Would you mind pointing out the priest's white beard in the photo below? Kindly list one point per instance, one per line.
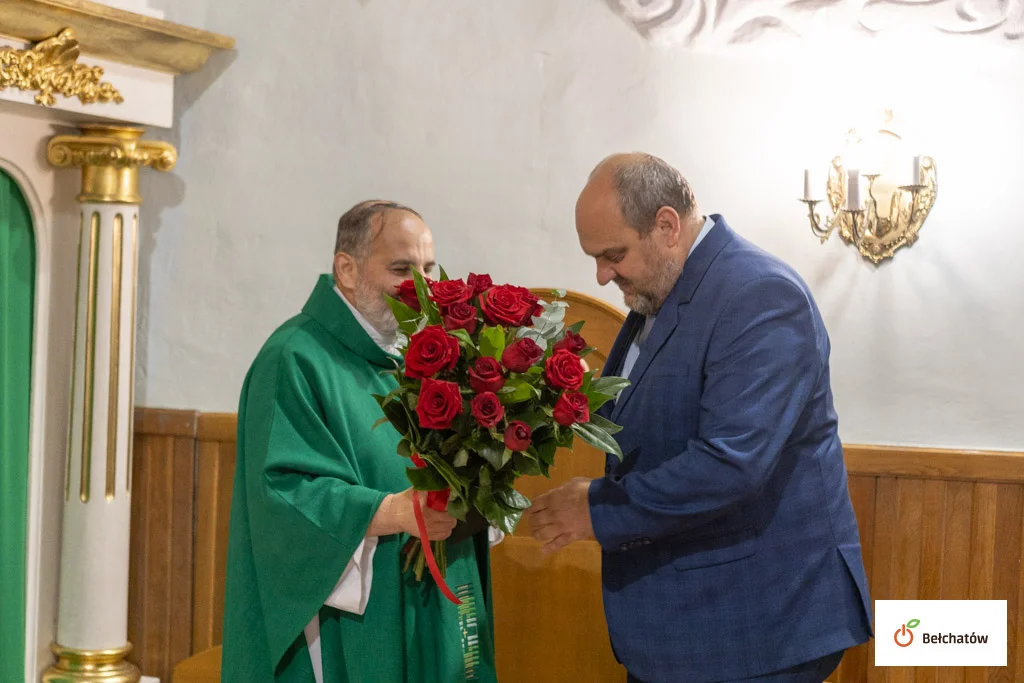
(371, 303)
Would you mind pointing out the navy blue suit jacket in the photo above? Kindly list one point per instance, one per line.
(730, 546)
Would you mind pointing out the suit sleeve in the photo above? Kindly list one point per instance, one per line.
(309, 512)
(763, 362)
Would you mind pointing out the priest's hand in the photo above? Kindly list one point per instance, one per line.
(395, 515)
(562, 515)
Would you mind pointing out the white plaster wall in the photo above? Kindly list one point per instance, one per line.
(487, 116)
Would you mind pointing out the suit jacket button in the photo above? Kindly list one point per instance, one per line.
(647, 541)
(623, 546)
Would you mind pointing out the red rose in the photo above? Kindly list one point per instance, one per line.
(479, 283)
(407, 295)
(460, 316)
(487, 409)
(486, 375)
(564, 370)
(570, 408)
(517, 436)
(571, 342)
(450, 292)
(507, 305)
(519, 356)
(418, 461)
(431, 350)
(438, 404)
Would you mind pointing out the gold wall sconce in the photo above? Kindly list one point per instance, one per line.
(857, 217)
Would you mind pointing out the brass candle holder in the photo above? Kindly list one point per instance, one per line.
(876, 237)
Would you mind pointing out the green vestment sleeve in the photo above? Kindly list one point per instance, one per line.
(300, 480)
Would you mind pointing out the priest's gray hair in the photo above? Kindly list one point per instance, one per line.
(355, 227)
(645, 184)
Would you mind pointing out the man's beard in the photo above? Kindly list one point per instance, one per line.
(374, 307)
(647, 298)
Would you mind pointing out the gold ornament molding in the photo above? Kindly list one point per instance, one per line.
(52, 67)
(86, 666)
(113, 34)
(110, 158)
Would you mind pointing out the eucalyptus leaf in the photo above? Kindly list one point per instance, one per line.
(461, 458)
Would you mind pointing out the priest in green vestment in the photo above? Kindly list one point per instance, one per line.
(321, 505)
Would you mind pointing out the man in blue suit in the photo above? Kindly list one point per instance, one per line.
(730, 549)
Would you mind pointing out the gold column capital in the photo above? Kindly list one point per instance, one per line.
(110, 158)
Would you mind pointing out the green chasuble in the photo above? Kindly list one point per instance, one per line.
(311, 472)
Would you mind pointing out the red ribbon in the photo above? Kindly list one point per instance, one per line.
(428, 552)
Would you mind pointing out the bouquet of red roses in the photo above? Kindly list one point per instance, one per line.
(493, 384)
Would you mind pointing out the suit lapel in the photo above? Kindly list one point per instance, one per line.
(696, 267)
(613, 365)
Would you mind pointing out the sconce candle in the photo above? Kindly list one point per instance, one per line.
(853, 190)
(876, 236)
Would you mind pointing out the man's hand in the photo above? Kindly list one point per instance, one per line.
(562, 515)
(396, 515)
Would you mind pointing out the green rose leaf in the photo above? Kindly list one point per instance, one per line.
(425, 479)
(525, 464)
(408, 319)
(609, 385)
(607, 425)
(597, 437)
(513, 499)
(493, 453)
(492, 342)
(423, 296)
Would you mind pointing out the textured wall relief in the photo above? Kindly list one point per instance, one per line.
(728, 22)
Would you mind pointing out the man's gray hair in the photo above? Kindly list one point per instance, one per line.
(355, 227)
(645, 184)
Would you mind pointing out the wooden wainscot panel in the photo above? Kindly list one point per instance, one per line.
(215, 476)
(939, 524)
(160, 568)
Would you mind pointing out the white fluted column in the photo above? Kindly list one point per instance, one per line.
(92, 626)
